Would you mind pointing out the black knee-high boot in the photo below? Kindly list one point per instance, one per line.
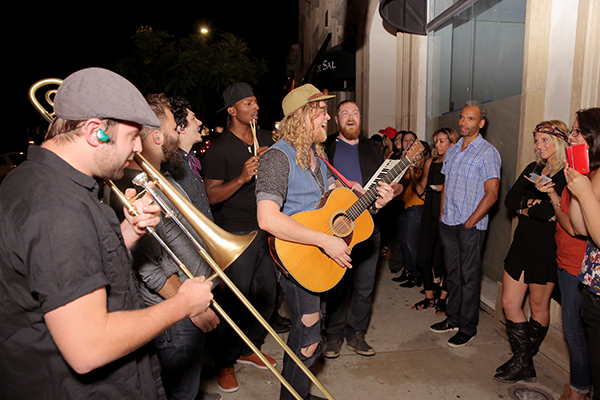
(537, 333)
(520, 366)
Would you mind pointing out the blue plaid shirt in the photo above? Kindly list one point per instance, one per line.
(465, 172)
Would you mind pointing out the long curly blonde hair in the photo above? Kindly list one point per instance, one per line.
(294, 130)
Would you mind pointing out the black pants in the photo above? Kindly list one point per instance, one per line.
(462, 256)
(253, 273)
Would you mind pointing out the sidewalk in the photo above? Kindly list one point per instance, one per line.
(411, 362)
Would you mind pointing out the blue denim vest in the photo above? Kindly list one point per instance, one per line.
(303, 191)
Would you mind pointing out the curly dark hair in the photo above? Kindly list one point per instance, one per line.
(589, 123)
(179, 108)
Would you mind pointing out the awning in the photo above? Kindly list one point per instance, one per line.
(408, 16)
(333, 69)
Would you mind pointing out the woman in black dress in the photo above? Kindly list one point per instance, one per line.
(430, 258)
(530, 264)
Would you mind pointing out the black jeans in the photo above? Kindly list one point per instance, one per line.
(462, 257)
(253, 273)
(349, 302)
(300, 302)
(590, 311)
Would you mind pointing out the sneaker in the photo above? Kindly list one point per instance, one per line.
(442, 327)
(226, 380)
(359, 345)
(412, 282)
(255, 361)
(403, 277)
(209, 396)
(459, 340)
(332, 348)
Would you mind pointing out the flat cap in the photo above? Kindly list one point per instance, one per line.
(100, 93)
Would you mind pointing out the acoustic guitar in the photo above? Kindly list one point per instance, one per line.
(340, 213)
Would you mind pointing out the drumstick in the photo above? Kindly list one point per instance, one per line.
(253, 126)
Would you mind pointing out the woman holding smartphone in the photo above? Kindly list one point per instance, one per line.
(570, 252)
(530, 264)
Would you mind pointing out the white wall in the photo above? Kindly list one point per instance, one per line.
(382, 77)
(561, 55)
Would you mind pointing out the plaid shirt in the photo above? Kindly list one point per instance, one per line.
(465, 172)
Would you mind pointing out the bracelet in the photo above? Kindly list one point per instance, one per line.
(556, 206)
(520, 211)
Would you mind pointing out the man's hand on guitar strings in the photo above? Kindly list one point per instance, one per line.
(338, 250)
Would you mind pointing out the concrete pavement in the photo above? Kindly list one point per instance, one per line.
(411, 362)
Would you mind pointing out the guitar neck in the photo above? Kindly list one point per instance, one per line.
(371, 195)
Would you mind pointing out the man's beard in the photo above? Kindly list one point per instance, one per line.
(173, 159)
(350, 133)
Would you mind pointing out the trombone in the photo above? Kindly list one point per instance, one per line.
(224, 247)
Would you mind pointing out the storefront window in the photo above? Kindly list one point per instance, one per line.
(476, 54)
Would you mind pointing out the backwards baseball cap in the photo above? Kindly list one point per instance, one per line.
(234, 93)
(300, 96)
(389, 132)
(100, 93)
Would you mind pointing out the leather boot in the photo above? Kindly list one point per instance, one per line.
(537, 333)
(520, 366)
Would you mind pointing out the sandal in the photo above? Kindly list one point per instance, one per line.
(423, 304)
(440, 307)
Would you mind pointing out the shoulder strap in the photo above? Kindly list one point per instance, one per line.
(341, 177)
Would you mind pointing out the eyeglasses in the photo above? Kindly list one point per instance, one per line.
(574, 132)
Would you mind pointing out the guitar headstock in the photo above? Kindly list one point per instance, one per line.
(415, 151)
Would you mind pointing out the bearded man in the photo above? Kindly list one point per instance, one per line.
(292, 178)
(349, 302)
(179, 348)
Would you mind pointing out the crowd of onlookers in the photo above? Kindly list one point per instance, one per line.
(554, 243)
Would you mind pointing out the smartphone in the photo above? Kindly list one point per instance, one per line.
(577, 157)
(534, 177)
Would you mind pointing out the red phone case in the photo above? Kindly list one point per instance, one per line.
(577, 157)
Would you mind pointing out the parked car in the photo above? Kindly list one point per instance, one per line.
(9, 161)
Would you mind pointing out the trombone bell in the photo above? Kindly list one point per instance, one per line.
(223, 246)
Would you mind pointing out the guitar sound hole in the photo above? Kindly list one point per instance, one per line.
(341, 225)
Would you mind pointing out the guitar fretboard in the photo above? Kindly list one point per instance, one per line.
(384, 174)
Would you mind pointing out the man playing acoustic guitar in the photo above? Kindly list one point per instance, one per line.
(292, 178)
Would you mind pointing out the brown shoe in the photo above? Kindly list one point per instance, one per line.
(255, 361)
(227, 380)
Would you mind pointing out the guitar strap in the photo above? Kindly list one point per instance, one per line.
(341, 177)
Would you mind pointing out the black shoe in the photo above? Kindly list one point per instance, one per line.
(459, 340)
(359, 345)
(332, 348)
(404, 276)
(412, 282)
(442, 327)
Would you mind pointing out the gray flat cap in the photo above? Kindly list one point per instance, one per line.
(100, 93)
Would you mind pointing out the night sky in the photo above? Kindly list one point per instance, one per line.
(54, 42)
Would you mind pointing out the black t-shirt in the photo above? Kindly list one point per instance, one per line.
(224, 160)
(57, 244)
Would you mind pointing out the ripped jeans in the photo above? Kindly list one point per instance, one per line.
(301, 303)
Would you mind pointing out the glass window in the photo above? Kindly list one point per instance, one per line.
(477, 54)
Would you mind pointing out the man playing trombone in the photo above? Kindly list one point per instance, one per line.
(179, 347)
(73, 324)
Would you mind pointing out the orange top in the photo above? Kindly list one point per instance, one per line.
(569, 250)
(409, 196)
